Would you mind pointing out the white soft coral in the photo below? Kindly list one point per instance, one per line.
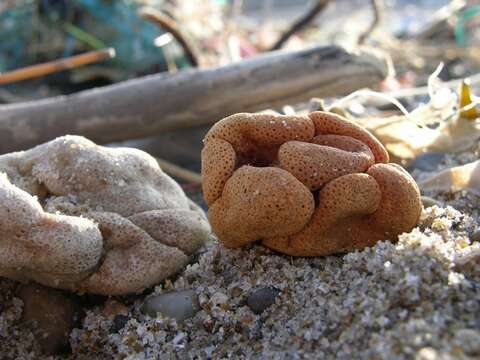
(88, 218)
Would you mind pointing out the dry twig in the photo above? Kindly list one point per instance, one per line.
(168, 24)
(300, 23)
(50, 67)
(377, 7)
(179, 172)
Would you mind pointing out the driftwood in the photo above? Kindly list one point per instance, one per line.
(157, 103)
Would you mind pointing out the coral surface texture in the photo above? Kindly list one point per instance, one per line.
(88, 218)
(304, 185)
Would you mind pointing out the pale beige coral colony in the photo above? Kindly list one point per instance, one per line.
(304, 185)
(79, 216)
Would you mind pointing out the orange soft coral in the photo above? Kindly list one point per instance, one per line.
(304, 185)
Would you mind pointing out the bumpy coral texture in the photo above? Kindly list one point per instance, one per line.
(79, 216)
(304, 185)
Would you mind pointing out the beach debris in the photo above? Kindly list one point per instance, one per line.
(166, 23)
(464, 177)
(179, 305)
(40, 70)
(262, 298)
(445, 124)
(179, 172)
(79, 216)
(263, 173)
(405, 138)
(300, 23)
(466, 102)
(52, 314)
(378, 15)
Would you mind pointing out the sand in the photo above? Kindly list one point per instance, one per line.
(418, 298)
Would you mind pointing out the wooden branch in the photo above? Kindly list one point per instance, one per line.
(377, 8)
(155, 16)
(50, 67)
(301, 22)
(157, 103)
(179, 172)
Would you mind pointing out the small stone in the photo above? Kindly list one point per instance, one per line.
(469, 341)
(218, 299)
(114, 308)
(428, 161)
(475, 236)
(316, 104)
(179, 305)
(52, 314)
(119, 322)
(427, 353)
(262, 298)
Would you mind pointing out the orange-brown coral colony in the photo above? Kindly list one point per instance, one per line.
(304, 185)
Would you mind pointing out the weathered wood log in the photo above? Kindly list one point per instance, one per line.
(157, 103)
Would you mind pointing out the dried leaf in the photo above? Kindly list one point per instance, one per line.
(405, 139)
(465, 177)
(466, 100)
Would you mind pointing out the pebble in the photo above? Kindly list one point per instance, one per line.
(316, 104)
(113, 308)
(475, 236)
(179, 305)
(428, 161)
(52, 314)
(218, 299)
(119, 322)
(427, 353)
(468, 340)
(262, 298)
